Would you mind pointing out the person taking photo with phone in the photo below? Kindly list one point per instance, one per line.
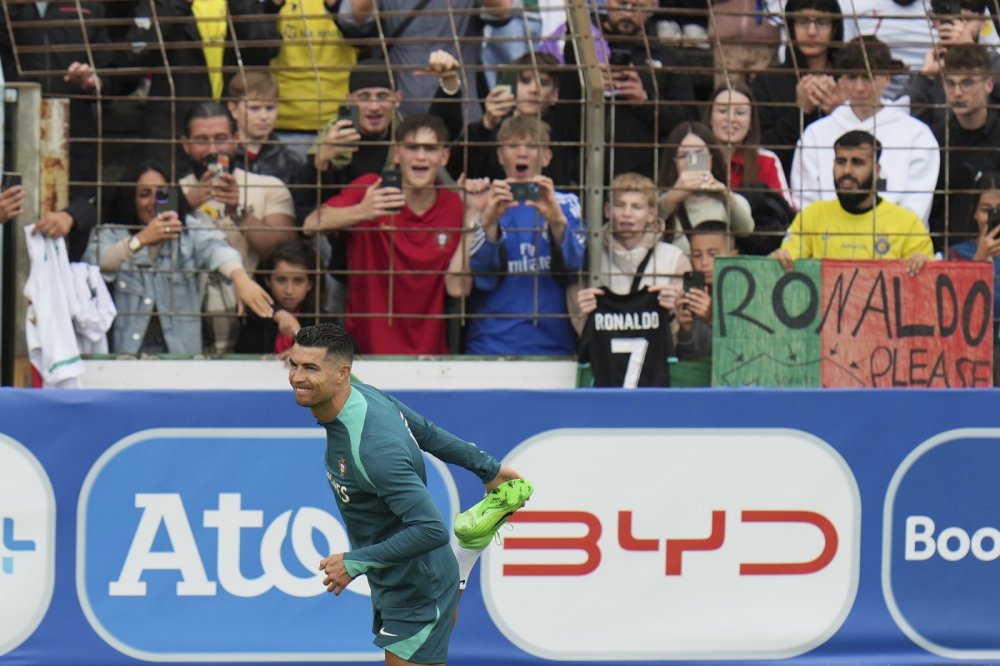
(255, 212)
(711, 239)
(403, 245)
(633, 306)
(985, 246)
(156, 262)
(696, 189)
(528, 244)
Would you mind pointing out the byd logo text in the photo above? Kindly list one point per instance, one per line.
(673, 547)
(717, 541)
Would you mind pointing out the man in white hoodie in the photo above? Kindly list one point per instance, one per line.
(910, 159)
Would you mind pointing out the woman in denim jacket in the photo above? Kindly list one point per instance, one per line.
(155, 273)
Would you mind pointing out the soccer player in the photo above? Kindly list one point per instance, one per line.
(376, 470)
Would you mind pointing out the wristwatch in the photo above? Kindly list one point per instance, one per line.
(134, 244)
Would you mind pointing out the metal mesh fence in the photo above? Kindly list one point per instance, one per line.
(614, 81)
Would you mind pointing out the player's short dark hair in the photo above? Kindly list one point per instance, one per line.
(858, 139)
(334, 337)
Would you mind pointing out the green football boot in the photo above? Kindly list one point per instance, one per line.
(475, 528)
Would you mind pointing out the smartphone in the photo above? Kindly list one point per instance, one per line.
(165, 200)
(993, 219)
(524, 191)
(11, 180)
(694, 280)
(218, 163)
(949, 10)
(392, 178)
(620, 58)
(697, 161)
(349, 112)
(507, 78)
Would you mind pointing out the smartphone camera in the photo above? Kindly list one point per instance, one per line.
(217, 163)
(620, 58)
(392, 178)
(349, 112)
(993, 219)
(524, 191)
(697, 161)
(694, 280)
(11, 180)
(165, 200)
(949, 9)
(507, 78)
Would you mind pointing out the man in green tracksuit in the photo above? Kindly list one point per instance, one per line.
(376, 469)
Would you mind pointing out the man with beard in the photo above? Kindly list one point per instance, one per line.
(254, 211)
(911, 160)
(858, 224)
(646, 92)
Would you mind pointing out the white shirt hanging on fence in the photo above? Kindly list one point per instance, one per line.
(97, 309)
(52, 304)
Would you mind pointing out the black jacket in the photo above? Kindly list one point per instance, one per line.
(42, 59)
(274, 159)
(781, 121)
(183, 76)
(474, 148)
(968, 152)
(634, 132)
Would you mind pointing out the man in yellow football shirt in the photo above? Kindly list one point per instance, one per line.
(858, 224)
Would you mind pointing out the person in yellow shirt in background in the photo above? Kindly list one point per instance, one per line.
(858, 224)
(311, 70)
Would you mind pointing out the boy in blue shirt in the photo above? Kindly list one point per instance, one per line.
(527, 246)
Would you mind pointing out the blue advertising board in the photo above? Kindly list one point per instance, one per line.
(746, 525)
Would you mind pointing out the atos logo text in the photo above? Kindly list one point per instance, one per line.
(674, 547)
(951, 543)
(12, 545)
(231, 523)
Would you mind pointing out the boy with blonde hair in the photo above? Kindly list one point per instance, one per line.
(528, 244)
(253, 101)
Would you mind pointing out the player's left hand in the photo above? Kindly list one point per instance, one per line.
(337, 577)
(505, 474)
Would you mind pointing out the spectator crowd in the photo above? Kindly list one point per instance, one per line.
(376, 162)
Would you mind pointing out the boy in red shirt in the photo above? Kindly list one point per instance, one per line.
(403, 246)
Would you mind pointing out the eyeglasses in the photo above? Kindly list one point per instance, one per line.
(965, 85)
